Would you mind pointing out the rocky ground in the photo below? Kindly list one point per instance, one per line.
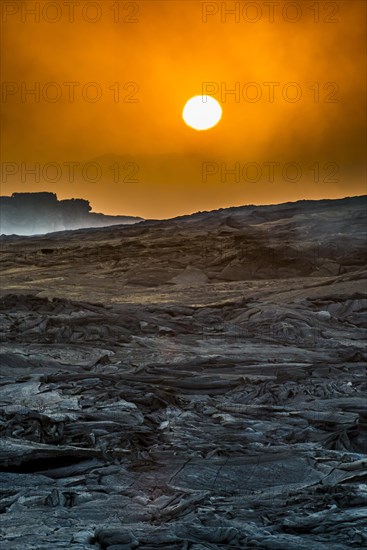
(191, 383)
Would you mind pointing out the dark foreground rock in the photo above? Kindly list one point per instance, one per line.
(195, 413)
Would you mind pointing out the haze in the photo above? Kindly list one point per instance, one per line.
(159, 62)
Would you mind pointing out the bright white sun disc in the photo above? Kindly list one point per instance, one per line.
(202, 112)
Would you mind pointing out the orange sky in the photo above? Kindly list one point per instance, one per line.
(158, 163)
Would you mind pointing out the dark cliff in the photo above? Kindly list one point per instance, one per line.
(38, 213)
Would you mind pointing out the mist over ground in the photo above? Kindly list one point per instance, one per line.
(38, 213)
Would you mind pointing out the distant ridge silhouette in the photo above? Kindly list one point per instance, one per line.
(39, 213)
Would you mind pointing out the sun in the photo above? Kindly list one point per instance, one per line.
(202, 112)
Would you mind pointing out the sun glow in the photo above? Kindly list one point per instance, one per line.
(202, 112)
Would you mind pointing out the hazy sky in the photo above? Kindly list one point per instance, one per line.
(112, 78)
